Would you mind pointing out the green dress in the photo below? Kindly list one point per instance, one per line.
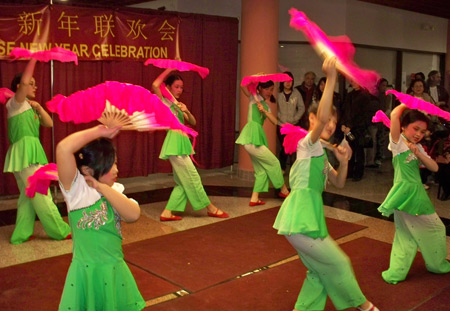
(98, 277)
(302, 211)
(407, 194)
(175, 142)
(25, 147)
(253, 132)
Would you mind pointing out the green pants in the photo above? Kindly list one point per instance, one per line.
(426, 232)
(42, 205)
(329, 273)
(266, 167)
(188, 186)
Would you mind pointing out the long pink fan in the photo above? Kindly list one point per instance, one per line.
(417, 103)
(380, 116)
(117, 104)
(40, 181)
(341, 47)
(5, 94)
(56, 53)
(252, 81)
(293, 135)
(177, 64)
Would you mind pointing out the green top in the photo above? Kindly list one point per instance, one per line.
(25, 147)
(407, 193)
(175, 142)
(302, 211)
(253, 132)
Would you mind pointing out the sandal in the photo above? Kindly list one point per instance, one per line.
(223, 215)
(171, 218)
(371, 308)
(259, 202)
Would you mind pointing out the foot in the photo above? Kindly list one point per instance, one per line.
(68, 237)
(259, 202)
(171, 218)
(218, 213)
(283, 195)
(371, 307)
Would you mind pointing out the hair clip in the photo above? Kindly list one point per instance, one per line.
(80, 155)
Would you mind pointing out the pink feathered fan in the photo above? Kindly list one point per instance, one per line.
(55, 53)
(40, 181)
(341, 47)
(5, 94)
(380, 116)
(117, 104)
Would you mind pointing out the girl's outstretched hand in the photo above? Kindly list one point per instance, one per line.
(341, 153)
(329, 67)
(108, 132)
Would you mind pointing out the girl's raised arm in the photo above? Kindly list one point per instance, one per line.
(65, 158)
(326, 102)
(395, 129)
(159, 80)
(22, 90)
(244, 89)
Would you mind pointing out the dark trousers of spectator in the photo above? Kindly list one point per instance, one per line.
(357, 161)
(443, 178)
(282, 156)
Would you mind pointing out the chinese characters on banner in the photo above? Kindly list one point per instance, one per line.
(93, 34)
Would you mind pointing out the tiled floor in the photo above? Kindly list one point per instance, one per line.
(356, 202)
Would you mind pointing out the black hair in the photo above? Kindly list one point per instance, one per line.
(381, 80)
(281, 87)
(412, 115)
(411, 85)
(99, 155)
(317, 91)
(314, 107)
(421, 74)
(266, 85)
(16, 80)
(432, 73)
(172, 78)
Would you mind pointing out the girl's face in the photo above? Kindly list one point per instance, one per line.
(31, 88)
(418, 88)
(176, 88)
(382, 87)
(415, 131)
(267, 92)
(111, 177)
(287, 85)
(329, 128)
(322, 86)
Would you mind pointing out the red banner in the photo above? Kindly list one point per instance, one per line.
(93, 34)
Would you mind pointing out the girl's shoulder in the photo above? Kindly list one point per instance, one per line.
(80, 195)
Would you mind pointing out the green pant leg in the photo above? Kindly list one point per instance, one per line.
(178, 198)
(190, 180)
(49, 215)
(404, 249)
(331, 269)
(25, 215)
(261, 178)
(266, 166)
(429, 233)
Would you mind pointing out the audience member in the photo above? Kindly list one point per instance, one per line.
(307, 90)
(436, 91)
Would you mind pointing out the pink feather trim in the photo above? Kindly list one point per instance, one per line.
(5, 94)
(40, 181)
(341, 47)
(380, 116)
(252, 81)
(177, 64)
(293, 135)
(131, 98)
(419, 104)
(56, 53)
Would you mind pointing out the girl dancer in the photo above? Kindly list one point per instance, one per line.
(417, 224)
(25, 155)
(301, 219)
(177, 148)
(254, 140)
(98, 277)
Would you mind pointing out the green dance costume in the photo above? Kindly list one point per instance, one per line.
(254, 140)
(177, 148)
(301, 219)
(25, 155)
(416, 223)
(98, 277)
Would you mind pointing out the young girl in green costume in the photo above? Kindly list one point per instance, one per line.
(178, 148)
(416, 223)
(301, 218)
(254, 140)
(25, 155)
(98, 277)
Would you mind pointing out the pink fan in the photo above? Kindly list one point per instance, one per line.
(293, 135)
(5, 94)
(40, 181)
(55, 53)
(177, 64)
(252, 81)
(417, 103)
(117, 104)
(380, 116)
(340, 47)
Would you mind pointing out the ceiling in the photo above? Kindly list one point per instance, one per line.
(440, 8)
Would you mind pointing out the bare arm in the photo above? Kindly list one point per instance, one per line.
(395, 122)
(326, 102)
(268, 114)
(22, 90)
(244, 89)
(428, 162)
(44, 117)
(188, 116)
(338, 177)
(159, 80)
